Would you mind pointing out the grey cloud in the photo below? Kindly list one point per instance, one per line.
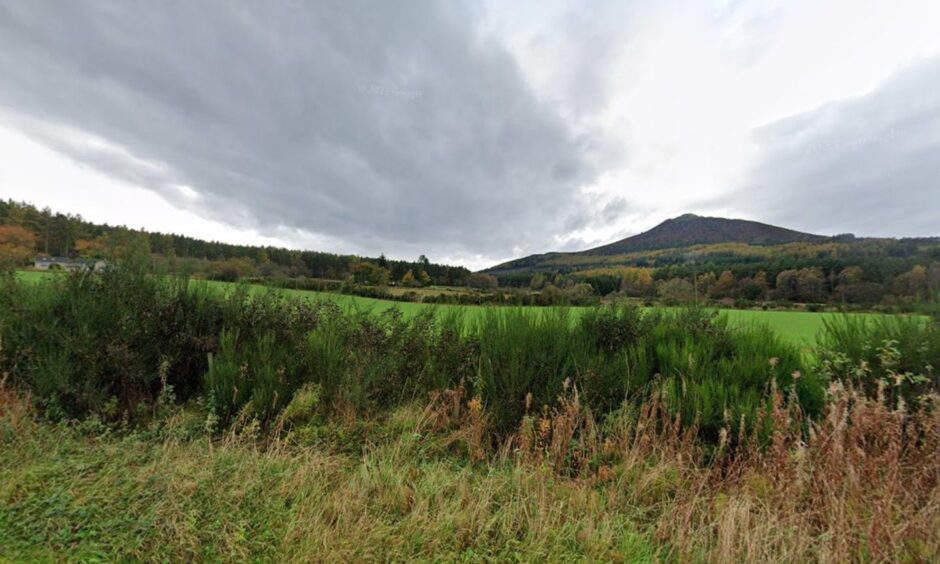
(395, 127)
(614, 210)
(592, 212)
(580, 51)
(868, 165)
(581, 45)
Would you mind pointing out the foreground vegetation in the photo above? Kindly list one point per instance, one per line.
(152, 419)
(863, 487)
(797, 327)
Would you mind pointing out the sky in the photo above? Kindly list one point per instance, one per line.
(472, 132)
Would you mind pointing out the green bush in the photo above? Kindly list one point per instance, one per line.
(524, 352)
(96, 344)
(722, 376)
(707, 372)
(899, 353)
(82, 340)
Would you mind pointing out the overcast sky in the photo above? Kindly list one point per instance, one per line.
(472, 132)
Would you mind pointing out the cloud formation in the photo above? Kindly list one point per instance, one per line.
(395, 128)
(475, 131)
(868, 165)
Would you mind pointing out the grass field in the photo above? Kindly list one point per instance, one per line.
(799, 327)
(143, 420)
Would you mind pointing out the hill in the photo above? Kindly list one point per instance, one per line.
(690, 229)
(685, 231)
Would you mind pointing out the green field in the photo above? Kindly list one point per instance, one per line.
(798, 327)
(146, 420)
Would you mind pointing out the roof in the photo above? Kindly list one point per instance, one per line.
(65, 260)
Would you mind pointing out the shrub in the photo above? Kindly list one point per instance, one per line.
(523, 353)
(87, 341)
(899, 353)
(81, 340)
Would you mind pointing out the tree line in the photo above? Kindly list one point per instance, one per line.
(27, 231)
(920, 282)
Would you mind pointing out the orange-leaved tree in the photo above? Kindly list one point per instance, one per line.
(17, 245)
(92, 248)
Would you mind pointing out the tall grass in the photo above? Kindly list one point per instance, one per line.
(862, 485)
(666, 435)
(898, 355)
(96, 344)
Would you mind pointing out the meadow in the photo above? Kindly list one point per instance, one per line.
(147, 418)
(798, 327)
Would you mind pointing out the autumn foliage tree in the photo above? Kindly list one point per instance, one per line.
(675, 291)
(637, 282)
(706, 282)
(538, 281)
(725, 286)
(92, 248)
(424, 278)
(370, 273)
(913, 283)
(17, 246)
(482, 281)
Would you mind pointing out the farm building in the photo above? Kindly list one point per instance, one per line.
(65, 263)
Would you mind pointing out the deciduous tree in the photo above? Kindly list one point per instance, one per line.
(369, 273)
(725, 286)
(483, 281)
(675, 291)
(637, 282)
(17, 245)
(913, 283)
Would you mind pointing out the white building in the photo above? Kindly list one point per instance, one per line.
(69, 264)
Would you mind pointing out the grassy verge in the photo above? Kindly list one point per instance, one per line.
(82, 492)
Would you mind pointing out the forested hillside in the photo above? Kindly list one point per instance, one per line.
(26, 231)
(690, 229)
(731, 259)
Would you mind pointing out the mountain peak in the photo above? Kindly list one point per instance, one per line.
(690, 229)
(679, 232)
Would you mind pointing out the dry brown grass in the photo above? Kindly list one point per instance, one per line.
(860, 484)
(14, 407)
